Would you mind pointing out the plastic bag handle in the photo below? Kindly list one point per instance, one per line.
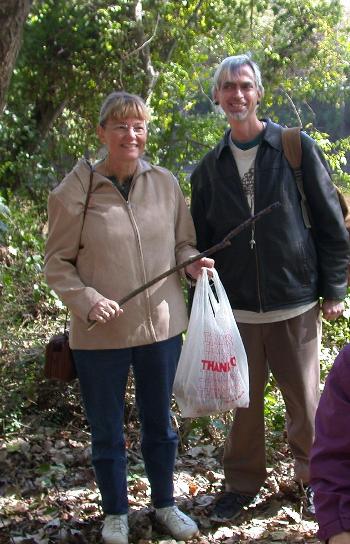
(220, 291)
(209, 302)
(216, 303)
(208, 292)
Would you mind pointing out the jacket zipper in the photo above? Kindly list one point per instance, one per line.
(244, 197)
(258, 279)
(252, 242)
(136, 230)
(252, 239)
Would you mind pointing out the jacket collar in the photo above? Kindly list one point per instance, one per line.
(142, 167)
(272, 135)
(83, 169)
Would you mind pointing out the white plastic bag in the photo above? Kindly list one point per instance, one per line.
(212, 374)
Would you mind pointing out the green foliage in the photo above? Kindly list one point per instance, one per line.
(30, 313)
(75, 52)
(335, 334)
(274, 409)
(336, 153)
(26, 303)
(22, 278)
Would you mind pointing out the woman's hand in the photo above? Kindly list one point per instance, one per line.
(104, 310)
(195, 269)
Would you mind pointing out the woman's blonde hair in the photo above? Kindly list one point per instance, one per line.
(121, 105)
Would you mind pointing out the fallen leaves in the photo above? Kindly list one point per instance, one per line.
(48, 494)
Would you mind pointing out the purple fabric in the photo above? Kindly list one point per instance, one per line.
(330, 456)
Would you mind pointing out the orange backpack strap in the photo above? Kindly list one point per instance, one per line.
(291, 144)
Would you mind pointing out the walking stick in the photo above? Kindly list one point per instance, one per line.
(213, 249)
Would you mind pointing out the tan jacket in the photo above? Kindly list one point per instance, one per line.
(123, 245)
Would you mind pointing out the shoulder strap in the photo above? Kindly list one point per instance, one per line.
(87, 195)
(65, 329)
(87, 200)
(344, 201)
(291, 144)
(82, 226)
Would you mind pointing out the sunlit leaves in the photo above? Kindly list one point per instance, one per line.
(77, 51)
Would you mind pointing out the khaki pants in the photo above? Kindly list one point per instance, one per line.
(290, 350)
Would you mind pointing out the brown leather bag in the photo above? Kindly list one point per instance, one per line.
(59, 362)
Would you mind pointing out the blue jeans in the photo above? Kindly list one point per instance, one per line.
(103, 377)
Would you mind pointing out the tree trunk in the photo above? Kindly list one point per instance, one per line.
(13, 14)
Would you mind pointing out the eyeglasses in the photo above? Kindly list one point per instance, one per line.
(124, 128)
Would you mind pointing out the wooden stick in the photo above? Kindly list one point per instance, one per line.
(213, 249)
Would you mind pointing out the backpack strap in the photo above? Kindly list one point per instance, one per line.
(344, 201)
(86, 204)
(291, 144)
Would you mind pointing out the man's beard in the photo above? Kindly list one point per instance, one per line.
(239, 115)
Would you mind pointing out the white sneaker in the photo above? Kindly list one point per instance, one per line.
(176, 522)
(115, 529)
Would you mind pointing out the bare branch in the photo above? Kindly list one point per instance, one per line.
(200, 144)
(147, 42)
(310, 109)
(144, 50)
(195, 11)
(210, 251)
(172, 47)
(300, 124)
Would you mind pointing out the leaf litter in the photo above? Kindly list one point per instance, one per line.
(49, 495)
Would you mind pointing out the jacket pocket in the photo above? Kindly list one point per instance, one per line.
(307, 259)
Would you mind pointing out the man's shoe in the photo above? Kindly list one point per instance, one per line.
(115, 529)
(229, 506)
(309, 507)
(176, 522)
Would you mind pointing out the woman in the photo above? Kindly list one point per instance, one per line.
(136, 226)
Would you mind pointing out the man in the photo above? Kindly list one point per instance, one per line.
(274, 274)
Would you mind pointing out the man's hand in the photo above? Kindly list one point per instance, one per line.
(195, 269)
(341, 538)
(104, 310)
(332, 309)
